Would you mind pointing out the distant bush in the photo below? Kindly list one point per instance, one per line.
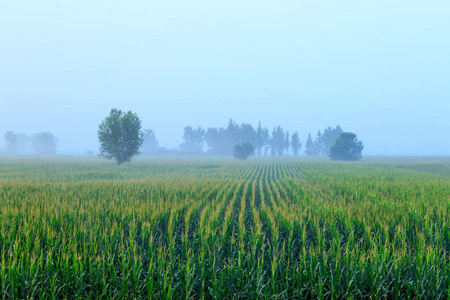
(243, 151)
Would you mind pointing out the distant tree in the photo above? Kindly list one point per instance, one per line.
(44, 143)
(287, 142)
(329, 137)
(150, 144)
(193, 140)
(273, 147)
(215, 140)
(347, 147)
(266, 140)
(16, 143)
(310, 149)
(318, 144)
(278, 141)
(296, 145)
(89, 152)
(120, 136)
(23, 143)
(11, 142)
(259, 142)
(222, 140)
(247, 133)
(243, 151)
(231, 135)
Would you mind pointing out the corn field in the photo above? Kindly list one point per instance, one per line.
(219, 229)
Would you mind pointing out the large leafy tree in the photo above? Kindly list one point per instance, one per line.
(120, 136)
(347, 147)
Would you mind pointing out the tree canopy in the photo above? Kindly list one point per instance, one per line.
(347, 148)
(120, 136)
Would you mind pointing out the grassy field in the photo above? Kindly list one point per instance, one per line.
(82, 228)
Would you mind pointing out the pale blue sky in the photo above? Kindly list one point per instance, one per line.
(379, 68)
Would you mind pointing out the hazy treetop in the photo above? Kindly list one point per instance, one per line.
(378, 68)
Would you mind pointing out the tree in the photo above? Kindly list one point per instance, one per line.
(310, 147)
(214, 140)
(193, 140)
(222, 140)
(266, 140)
(347, 147)
(23, 143)
(278, 141)
(296, 145)
(287, 143)
(259, 143)
(318, 144)
(44, 143)
(11, 142)
(150, 144)
(329, 137)
(243, 151)
(247, 133)
(120, 136)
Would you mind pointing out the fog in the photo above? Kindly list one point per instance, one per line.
(380, 69)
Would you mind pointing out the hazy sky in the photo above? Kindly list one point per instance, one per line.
(379, 68)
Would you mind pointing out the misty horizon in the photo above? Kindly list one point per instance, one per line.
(63, 149)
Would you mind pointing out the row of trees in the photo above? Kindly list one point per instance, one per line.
(121, 138)
(38, 143)
(223, 139)
(275, 142)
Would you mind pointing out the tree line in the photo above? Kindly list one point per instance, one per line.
(38, 143)
(222, 140)
(218, 140)
(274, 142)
(122, 138)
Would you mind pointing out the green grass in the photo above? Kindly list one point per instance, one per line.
(83, 228)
